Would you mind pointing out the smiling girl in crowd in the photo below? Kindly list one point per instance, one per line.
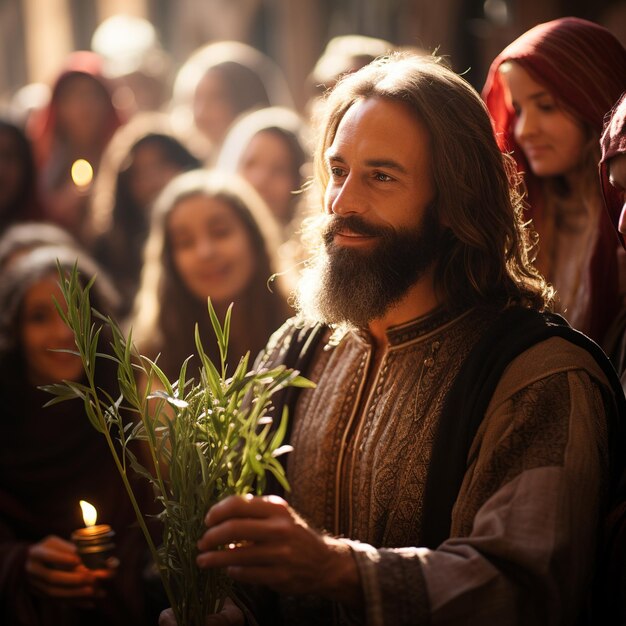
(211, 236)
(548, 93)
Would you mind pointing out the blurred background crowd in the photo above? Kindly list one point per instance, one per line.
(35, 37)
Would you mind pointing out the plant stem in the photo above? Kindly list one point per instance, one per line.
(131, 495)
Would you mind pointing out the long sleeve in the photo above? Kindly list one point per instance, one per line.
(525, 523)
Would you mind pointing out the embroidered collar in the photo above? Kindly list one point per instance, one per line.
(409, 331)
(423, 325)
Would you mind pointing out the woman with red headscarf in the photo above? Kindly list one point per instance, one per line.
(69, 137)
(548, 93)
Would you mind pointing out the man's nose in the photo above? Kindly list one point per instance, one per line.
(347, 197)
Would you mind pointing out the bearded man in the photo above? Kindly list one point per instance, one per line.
(434, 319)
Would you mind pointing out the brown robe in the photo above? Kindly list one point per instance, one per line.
(524, 525)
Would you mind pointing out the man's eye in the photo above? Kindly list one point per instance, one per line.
(382, 177)
(336, 171)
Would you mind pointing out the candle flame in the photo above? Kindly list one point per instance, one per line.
(90, 515)
(82, 173)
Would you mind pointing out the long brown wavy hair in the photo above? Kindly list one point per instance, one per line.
(166, 311)
(487, 250)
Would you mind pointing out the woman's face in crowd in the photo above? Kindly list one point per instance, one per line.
(82, 109)
(213, 110)
(552, 140)
(211, 249)
(266, 164)
(41, 331)
(149, 172)
(12, 171)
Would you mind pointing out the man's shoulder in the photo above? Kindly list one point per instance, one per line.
(546, 358)
(529, 346)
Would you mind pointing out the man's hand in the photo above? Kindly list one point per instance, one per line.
(262, 540)
(230, 615)
(54, 569)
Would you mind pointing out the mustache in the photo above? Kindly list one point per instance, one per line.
(354, 223)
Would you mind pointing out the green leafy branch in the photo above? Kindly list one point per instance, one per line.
(205, 439)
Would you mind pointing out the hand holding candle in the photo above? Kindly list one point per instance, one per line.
(54, 569)
(94, 543)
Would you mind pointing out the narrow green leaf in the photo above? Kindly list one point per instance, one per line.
(281, 431)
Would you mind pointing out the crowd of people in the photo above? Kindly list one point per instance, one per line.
(459, 259)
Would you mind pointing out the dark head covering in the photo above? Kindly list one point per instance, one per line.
(613, 143)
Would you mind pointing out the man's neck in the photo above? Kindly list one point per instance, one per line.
(419, 300)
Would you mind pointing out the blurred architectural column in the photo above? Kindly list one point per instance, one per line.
(48, 37)
(430, 25)
(108, 8)
(12, 62)
(193, 23)
(298, 42)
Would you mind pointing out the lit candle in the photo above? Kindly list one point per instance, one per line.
(94, 542)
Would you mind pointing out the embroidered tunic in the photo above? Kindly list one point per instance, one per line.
(524, 524)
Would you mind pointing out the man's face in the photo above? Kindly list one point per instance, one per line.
(379, 235)
(379, 167)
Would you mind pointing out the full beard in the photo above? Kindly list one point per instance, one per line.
(347, 286)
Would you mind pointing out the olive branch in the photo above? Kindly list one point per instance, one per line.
(205, 439)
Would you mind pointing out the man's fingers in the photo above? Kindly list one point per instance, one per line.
(245, 506)
(244, 556)
(245, 529)
(230, 615)
(226, 618)
(166, 618)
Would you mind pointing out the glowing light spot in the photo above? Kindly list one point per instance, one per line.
(82, 173)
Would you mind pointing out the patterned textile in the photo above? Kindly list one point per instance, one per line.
(363, 440)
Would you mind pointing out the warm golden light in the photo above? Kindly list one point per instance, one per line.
(90, 515)
(82, 173)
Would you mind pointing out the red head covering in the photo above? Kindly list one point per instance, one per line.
(613, 142)
(584, 66)
(43, 123)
